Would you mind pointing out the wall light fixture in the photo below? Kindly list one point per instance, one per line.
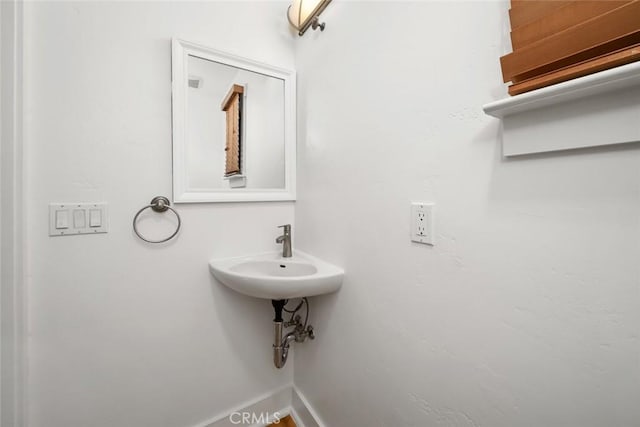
(303, 14)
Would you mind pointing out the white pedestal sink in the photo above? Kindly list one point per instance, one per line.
(273, 277)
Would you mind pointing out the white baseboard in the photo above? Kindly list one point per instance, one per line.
(281, 402)
(269, 403)
(302, 411)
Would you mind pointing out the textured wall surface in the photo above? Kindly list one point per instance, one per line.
(123, 333)
(527, 311)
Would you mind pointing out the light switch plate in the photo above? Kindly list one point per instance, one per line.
(422, 228)
(70, 219)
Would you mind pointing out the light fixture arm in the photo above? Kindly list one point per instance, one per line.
(315, 24)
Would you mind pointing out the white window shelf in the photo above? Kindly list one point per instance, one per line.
(598, 109)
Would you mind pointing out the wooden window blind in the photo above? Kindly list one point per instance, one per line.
(232, 106)
(554, 41)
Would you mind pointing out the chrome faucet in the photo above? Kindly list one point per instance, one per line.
(285, 239)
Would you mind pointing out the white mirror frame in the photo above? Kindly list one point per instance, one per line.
(179, 74)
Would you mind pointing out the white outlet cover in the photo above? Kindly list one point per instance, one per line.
(422, 223)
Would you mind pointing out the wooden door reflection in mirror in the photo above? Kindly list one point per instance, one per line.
(232, 105)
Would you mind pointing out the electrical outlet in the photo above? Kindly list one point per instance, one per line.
(422, 230)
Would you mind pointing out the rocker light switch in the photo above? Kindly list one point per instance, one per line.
(62, 219)
(95, 218)
(79, 218)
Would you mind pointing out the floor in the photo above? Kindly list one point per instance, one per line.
(285, 422)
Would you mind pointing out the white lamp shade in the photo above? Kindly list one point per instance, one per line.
(301, 11)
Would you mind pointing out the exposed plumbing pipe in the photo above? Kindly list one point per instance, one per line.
(300, 333)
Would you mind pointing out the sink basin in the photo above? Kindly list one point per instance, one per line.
(273, 277)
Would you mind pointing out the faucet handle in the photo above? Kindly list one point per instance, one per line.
(287, 228)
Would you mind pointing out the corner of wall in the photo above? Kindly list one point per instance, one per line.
(11, 214)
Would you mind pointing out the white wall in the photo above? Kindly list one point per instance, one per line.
(123, 333)
(11, 219)
(527, 311)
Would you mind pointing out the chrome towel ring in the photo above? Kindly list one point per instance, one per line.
(158, 204)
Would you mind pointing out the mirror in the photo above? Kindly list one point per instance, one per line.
(233, 127)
